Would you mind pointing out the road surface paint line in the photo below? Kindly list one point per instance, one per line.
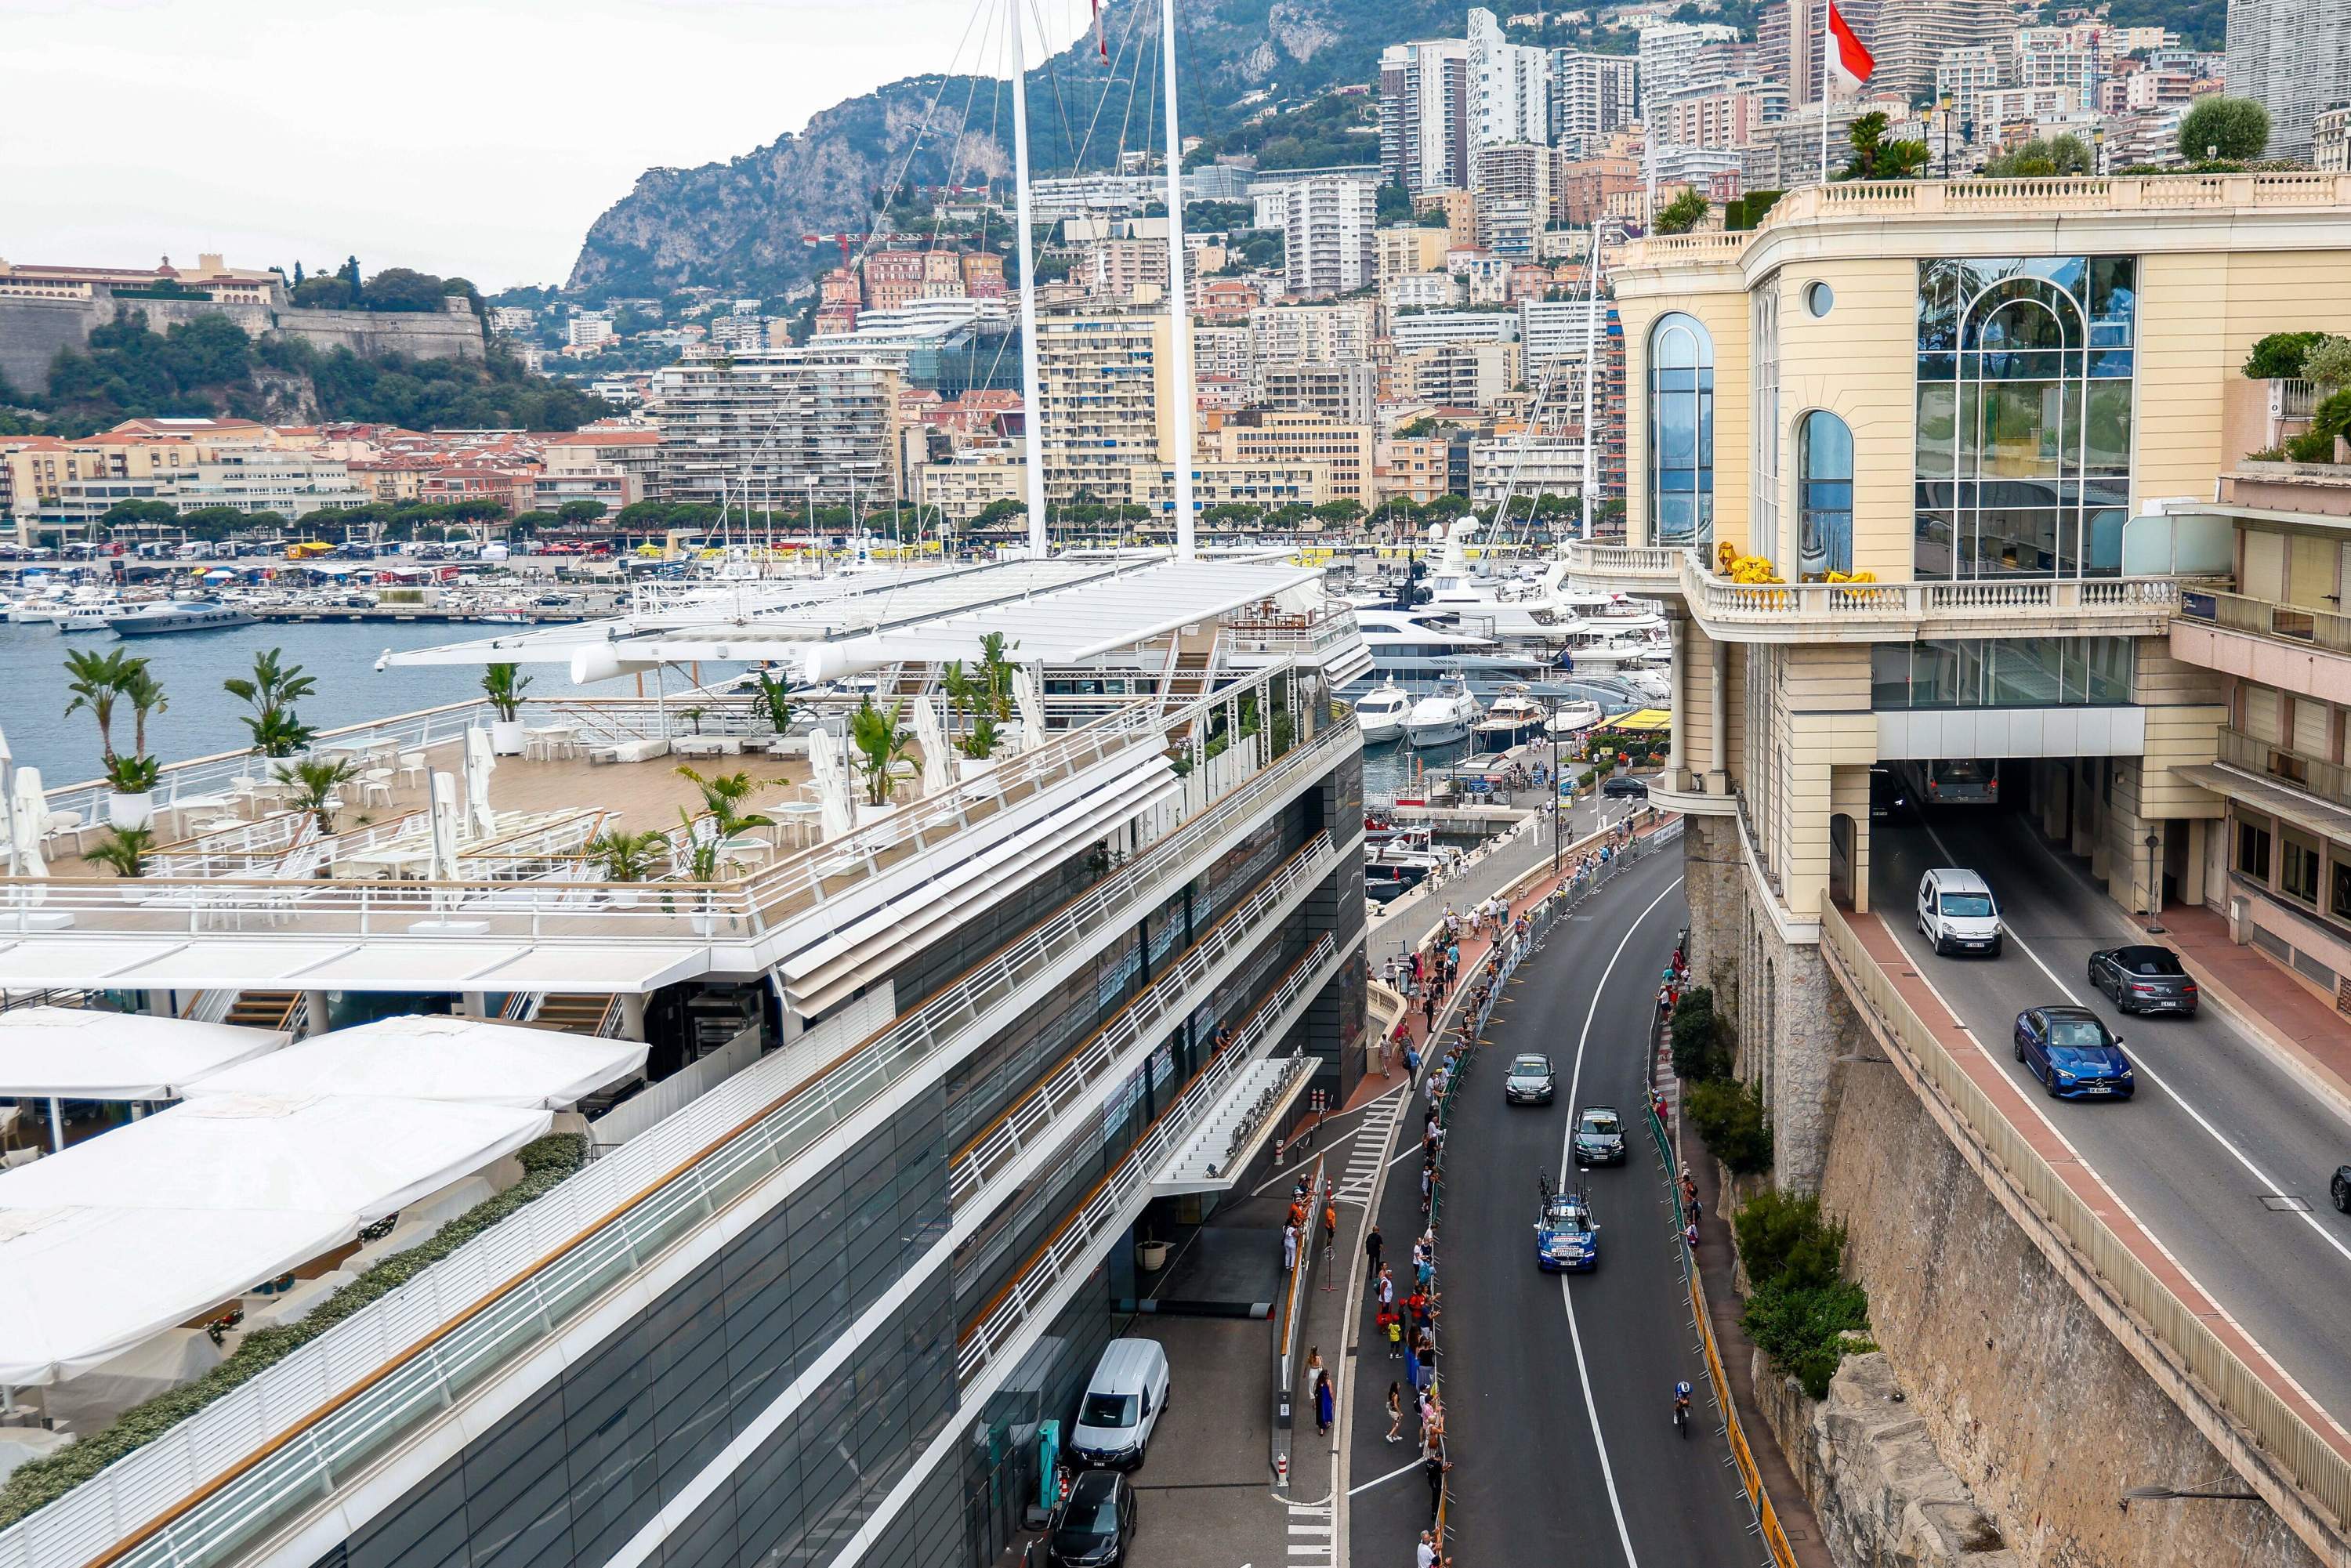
(2267, 1184)
(1392, 1475)
(1567, 1298)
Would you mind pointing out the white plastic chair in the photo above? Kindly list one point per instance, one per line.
(412, 762)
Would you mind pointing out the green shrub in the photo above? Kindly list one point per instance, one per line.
(1729, 1116)
(1702, 1037)
(2278, 357)
(2328, 362)
(1783, 1238)
(2329, 420)
(1801, 1327)
(41, 1482)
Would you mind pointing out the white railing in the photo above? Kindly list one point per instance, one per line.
(1140, 1021)
(1718, 599)
(1296, 634)
(194, 1497)
(1107, 1208)
(1659, 561)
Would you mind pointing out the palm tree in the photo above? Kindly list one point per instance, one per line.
(125, 849)
(776, 698)
(628, 857)
(880, 743)
(272, 691)
(314, 782)
(145, 694)
(696, 858)
(504, 685)
(97, 680)
(723, 795)
(981, 743)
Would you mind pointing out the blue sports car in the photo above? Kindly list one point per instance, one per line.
(2069, 1050)
(1566, 1240)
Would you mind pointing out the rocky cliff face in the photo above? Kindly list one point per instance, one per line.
(740, 224)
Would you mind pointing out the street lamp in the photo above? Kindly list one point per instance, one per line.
(2154, 882)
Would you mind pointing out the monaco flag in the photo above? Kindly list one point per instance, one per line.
(1848, 56)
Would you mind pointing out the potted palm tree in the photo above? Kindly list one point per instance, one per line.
(978, 747)
(880, 745)
(695, 859)
(504, 685)
(776, 703)
(315, 785)
(627, 857)
(271, 691)
(723, 795)
(125, 851)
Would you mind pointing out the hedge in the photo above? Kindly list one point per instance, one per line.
(41, 1482)
(1804, 1315)
(1729, 1114)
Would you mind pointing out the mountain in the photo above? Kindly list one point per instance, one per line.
(740, 224)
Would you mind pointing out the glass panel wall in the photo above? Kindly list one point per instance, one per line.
(2024, 407)
(1681, 432)
(2005, 672)
(1824, 471)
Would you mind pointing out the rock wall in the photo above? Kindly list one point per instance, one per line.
(33, 331)
(2041, 1416)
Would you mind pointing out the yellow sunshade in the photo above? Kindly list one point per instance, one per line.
(1648, 720)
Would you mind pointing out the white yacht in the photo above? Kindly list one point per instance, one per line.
(1512, 717)
(1568, 720)
(158, 616)
(1380, 713)
(85, 617)
(1415, 648)
(1444, 716)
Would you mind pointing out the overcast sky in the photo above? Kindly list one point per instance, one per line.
(479, 140)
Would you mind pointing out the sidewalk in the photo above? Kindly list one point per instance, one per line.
(2263, 995)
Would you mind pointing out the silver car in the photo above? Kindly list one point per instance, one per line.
(1528, 1080)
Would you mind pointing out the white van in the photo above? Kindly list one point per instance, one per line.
(1122, 1405)
(1958, 912)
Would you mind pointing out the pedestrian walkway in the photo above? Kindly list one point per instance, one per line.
(2262, 995)
(1370, 1149)
(1312, 1535)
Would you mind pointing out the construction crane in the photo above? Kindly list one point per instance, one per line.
(843, 240)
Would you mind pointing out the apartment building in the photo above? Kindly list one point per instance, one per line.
(1585, 187)
(1962, 77)
(1411, 466)
(1107, 402)
(1335, 334)
(588, 329)
(2330, 139)
(1524, 465)
(1327, 224)
(1908, 36)
(2288, 56)
(1457, 374)
(1509, 87)
(1349, 392)
(1122, 268)
(1402, 250)
(1669, 58)
(2058, 369)
(1719, 116)
(1223, 353)
(1425, 115)
(1433, 329)
(1340, 449)
(1592, 96)
(780, 427)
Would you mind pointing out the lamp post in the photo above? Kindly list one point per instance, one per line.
(2098, 148)
(2154, 882)
(1943, 110)
(1558, 811)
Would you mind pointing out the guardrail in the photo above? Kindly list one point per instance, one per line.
(1720, 599)
(1138, 1022)
(2267, 617)
(1070, 1244)
(195, 1495)
(2314, 1462)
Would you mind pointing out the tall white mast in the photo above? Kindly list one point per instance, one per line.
(1590, 346)
(1032, 390)
(1179, 317)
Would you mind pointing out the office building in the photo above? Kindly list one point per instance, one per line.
(2289, 56)
(1425, 115)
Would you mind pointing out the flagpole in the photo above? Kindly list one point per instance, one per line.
(1825, 90)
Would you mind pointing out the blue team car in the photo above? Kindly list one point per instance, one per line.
(1566, 1240)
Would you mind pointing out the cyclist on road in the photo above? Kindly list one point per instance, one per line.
(1682, 1405)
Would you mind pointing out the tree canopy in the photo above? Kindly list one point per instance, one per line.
(2060, 155)
(2224, 127)
(1876, 158)
(1683, 214)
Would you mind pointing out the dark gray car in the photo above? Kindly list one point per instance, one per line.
(2143, 979)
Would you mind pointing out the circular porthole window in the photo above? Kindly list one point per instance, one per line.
(1819, 299)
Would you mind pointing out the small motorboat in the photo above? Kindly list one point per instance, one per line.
(1381, 712)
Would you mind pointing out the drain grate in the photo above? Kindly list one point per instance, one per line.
(2284, 1203)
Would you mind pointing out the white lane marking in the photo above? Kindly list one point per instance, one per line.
(2235, 1153)
(1392, 1475)
(1567, 1298)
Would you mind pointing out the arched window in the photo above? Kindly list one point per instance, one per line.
(1681, 432)
(1825, 498)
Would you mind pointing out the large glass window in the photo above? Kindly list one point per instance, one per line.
(1825, 470)
(1681, 432)
(2024, 408)
(2004, 672)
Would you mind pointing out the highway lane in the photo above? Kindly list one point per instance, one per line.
(1562, 1435)
(2215, 1125)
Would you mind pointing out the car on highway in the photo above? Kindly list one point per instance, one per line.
(1958, 912)
(1599, 1137)
(2070, 1051)
(2143, 979)
(1624, 786)
(1529, 1081)
(1096, 1521)
(2339, 1189)
(1566, 1238)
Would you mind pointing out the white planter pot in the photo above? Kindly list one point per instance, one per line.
(125, 812)
(866, 814)
(971, 767)
(1151, 1256)
(506, 737)
(624, 899)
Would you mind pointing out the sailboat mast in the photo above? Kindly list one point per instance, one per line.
(1179, 315)
(1591, 347)
(1032, 392)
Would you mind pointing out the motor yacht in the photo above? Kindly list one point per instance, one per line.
(1444, 716)
(1380, 713)
(161, 616)
(1513, 715)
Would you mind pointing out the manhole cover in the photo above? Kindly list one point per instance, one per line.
(2284, 1203)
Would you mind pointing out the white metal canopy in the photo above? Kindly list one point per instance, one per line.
(358, 1157)
(79, 1053)
(81, 1285)
(385, 963)
(430, 1058)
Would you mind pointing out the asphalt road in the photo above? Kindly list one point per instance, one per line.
(1559, 1388)
(2215, 1126)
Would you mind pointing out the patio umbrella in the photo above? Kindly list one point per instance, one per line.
(479, 763)
(1032, 709)
(826, 772)
(446, 825)
(938, 775)
(28, 809)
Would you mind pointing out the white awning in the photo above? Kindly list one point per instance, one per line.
(440, 1059)
(80, 1285)
(79, 1053)
(388, 963)
(237, 1153)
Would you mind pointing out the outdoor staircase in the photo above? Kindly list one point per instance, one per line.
(264, 1009)
(575, 1012)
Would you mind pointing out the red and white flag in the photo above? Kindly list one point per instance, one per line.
(1099, 42)
(1849, 57)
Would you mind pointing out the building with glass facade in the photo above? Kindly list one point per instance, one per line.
(1964, 442)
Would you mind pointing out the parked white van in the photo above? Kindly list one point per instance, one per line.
(1958, 912)
(1122, 1405)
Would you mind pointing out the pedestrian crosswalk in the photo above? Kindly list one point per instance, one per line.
(1369, 1149)
(1313, 1532)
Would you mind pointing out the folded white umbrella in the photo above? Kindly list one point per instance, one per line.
(430, 1058)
